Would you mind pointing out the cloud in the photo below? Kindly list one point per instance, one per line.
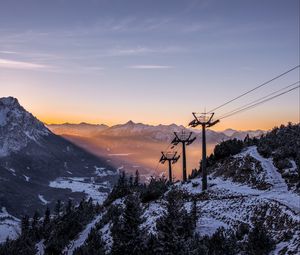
(12, 64)
(137, 51)
(150, 67)
(7, 52)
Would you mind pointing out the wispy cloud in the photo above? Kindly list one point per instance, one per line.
(150, 67)
(7, 52)
(12, 64)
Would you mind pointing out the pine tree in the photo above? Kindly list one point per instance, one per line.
(46, 217)
(194, 212)
(136, 178)
(117, 238)
(94, 245)
(57, 208)
(130, 181)
(223, 242)
(127, 236)
(25, 224)
(259, 241)
(34, 225)
(172, 230)
(35, 219)
(69, 207)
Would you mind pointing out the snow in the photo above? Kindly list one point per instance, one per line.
(9, 226)
(273, 176)
(13, 171)
(152, 212)
(106, 236)
(102, 171)
(18, 126)
(279, 192)
(78, 184)
(26, 178)
(3, 119)
(229, 203)
(43, 200)
(292, 169)
(208, 225)
(81, 237)
(40, 247)
(119, 169)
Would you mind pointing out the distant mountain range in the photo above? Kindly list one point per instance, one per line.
(31, 157)
(159, 132)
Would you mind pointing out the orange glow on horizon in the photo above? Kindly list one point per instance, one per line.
(263, 124)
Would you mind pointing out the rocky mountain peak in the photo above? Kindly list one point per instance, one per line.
(17, 126)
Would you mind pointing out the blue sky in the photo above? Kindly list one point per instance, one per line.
(150, 61)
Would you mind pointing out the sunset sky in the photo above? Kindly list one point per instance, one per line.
(106, 61)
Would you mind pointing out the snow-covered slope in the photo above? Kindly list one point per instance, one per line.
(229, 204)
(9, 225)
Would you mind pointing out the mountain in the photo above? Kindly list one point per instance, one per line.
(138, 146)
(82, 129)
(240, 135)
(152, 132)
(251, 207)
(229, 132)
(38, 167)
(160, 132)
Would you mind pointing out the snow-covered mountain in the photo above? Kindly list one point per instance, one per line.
(17, 127)
(36, 165)
(153, 132)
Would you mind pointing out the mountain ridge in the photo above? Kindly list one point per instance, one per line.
(159, 132)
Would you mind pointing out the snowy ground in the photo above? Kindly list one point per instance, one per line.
(227, 205)
(231, 203)
(81, 184)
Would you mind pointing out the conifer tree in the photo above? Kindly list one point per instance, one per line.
(57, 208)
(46, 217)
(127, 236)
(259, 241)
(136, 178)
(94, 245)
(171, 227)
(25, 224)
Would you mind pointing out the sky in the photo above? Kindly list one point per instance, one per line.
(107, 61)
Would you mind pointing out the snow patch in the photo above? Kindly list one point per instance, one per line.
(9, 226)
(208, 225)
(13, 171)
(102, 171)
(43, 200)
(40, 247)
(26, 178)
(81, 237)
(78, 184)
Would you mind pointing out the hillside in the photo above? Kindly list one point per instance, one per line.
(249, 208)
(37, 167)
